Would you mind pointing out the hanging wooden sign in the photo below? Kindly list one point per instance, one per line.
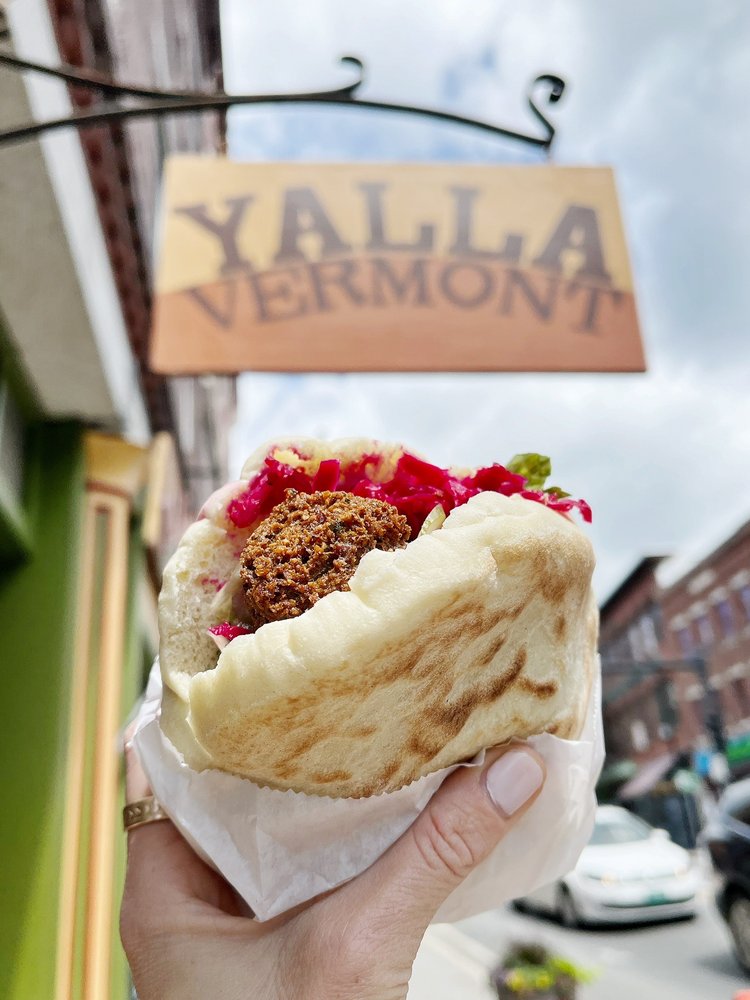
(391, 267)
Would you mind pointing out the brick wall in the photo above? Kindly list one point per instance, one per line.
(704, 614)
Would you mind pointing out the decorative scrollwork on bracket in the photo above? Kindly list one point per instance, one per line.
(154, 102)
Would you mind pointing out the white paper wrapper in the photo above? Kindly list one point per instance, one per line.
(279, 849)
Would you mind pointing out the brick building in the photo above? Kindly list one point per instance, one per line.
(631, 630)
(692, 612)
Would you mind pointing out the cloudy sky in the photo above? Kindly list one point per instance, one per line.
(657, 90)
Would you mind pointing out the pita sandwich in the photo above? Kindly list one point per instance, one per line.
(475, 633)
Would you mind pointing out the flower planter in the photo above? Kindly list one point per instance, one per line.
(529, 971)
(506, 992)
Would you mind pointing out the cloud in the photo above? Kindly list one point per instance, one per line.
(658, 91)
(656, 456)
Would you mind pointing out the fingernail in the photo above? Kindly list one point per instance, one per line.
(512, 780)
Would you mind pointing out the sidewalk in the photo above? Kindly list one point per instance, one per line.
(671, 961)
(449, 965)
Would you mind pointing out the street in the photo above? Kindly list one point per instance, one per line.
(686, 960)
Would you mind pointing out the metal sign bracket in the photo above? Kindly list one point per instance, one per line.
(154, 102)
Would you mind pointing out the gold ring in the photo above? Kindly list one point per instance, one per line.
(141, 812)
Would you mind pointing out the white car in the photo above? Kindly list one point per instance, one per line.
(628, 872)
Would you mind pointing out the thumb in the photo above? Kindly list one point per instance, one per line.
(464, 821)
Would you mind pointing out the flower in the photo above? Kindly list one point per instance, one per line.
(529, 969)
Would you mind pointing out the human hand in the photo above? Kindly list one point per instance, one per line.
(187, 934)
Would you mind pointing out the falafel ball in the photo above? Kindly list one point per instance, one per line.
(309, 546)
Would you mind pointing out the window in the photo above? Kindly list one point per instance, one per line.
(649, 635)
(726, 616)
(740, 696)
(620, 648)
(11, 448)
(666, 700)
(636, 642)
(622, 828)
(639, 735)
(685, 639)
(745, 598)
(14, 538)
(741, 811)
(705, 630)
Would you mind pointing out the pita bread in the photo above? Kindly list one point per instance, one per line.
(479, 632)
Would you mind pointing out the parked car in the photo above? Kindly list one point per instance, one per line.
(727, 838)
(629, 872)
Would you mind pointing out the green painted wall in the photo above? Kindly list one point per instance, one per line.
(37, 614)
(138, 660)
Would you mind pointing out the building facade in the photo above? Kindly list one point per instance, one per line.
(631, 630)
(171, 45)
(101, 465)
(687, 622)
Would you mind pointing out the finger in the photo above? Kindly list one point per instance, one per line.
(152, 846)
(163, 871)
(464, 821)
(136, 782)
